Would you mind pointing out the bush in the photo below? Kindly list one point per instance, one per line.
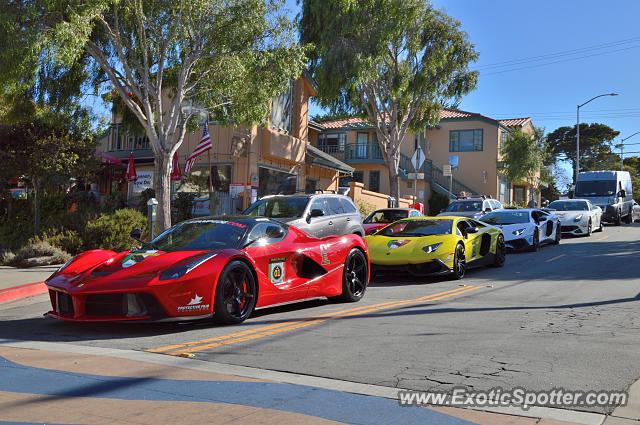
(15, 232)
(437, 203)
(39, 254)
(67, 240)
(6, 258)
(111, 231)
(184, 204)
(365, 208)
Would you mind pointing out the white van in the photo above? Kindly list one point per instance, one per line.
(610, 190)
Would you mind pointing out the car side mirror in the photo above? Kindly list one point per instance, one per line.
(472, 229)
(316, 213)
(622, 194)
(136, 234)
(487, 210)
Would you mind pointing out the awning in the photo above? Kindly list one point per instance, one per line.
(109, 159)
(322, 159)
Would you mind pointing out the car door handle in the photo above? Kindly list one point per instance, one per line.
(330, 223)
(348, 218)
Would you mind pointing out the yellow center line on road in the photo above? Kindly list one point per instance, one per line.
(555, 258)
(266, 331)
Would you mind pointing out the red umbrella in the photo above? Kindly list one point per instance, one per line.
(131, 169)
(176, 174)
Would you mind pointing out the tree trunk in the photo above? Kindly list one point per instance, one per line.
(394, 178)
(36, 208)
(163, 190)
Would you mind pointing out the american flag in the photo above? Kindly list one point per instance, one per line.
(203, 146)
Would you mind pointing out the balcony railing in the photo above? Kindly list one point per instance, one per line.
(123, 140)
(355, 152)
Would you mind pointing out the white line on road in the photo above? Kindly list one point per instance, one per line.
(555, 258)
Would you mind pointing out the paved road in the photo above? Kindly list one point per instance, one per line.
(566, 316)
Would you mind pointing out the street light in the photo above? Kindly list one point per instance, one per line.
(621, 145)
(578, 129)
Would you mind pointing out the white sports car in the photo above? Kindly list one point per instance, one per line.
(578, 217)
(526, 229)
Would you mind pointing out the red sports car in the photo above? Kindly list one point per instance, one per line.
(380, 218)
(222, 267)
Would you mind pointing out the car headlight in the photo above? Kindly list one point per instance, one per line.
(183, 269)
(578, 217)
(431, 248)
(518, 232)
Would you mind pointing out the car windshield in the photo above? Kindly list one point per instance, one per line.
(464, 206)
(202, 234)
(569, 206)
(418, 228)
(386, 216)
(506, 217)
(278, 207)
(595, 188)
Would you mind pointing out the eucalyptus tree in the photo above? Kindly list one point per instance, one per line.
(228, 57)
(395, 61)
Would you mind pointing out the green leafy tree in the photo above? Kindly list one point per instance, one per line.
(595, 147)
(228, 57)
(632, 165)
(521, 157)
(47, 152)
(394, 61)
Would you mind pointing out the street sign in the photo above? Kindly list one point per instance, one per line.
(417, 159)
(453, 161)
(446, 170)
(415, 176)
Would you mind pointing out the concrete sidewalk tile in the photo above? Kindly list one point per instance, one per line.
(109, 366)
(632, 409)
(484, 418)
(611, 420)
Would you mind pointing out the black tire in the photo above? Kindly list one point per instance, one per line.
(459, 263)
(589, 229)
(558, 234)
(236, 294)
(617, 220)
(536, 242)
(601, 228)
(628, 218)
(501, 252)
(354, 277)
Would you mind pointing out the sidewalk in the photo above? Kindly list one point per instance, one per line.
(21, 283)
(56, 384)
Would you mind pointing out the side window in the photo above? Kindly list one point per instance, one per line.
(462, 226)
(270, 232)
(348, 205)
(414, 214)
(498, 205)
(335, 206)
(319, 204)
(477, 224)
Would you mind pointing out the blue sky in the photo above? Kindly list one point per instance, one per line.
(508, 30)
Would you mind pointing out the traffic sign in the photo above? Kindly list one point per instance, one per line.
(446, 170)
(417, 159)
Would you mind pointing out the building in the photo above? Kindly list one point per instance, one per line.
(470, 139)
(245, 162)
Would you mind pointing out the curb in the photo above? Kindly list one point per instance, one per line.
(22, 291)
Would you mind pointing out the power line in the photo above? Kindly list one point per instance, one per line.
(559, 54)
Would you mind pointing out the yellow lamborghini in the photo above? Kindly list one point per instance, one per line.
(436, 245)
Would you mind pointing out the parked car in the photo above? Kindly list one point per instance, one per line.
(319, 215)
(610, 190)
(635, 212)
(435, 245)
(577, 216)
(215, 267)
(474, 207)
(526, 229)
(380, 218)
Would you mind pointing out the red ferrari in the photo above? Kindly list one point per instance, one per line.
(222, 268)
(380, 218)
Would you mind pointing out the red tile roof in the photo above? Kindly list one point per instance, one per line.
(514, 122)
(444, 115)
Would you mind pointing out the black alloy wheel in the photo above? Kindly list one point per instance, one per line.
(236, 293)
(355, 276)
(501, 252)
(459, 263)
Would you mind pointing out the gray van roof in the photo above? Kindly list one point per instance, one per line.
(603, 175)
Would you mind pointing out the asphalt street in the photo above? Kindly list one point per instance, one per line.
(566, 316)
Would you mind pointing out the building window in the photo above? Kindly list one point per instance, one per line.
(310, 185)
(274, 182)
(374, 181)
(358, 176)
(221, 177)
(362, 145)
(465, 140)
(504, 134)
(504, 190)
(332, 143)
(282, 109)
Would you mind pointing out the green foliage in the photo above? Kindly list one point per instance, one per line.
(437, 203)
(6, 258)
(15, 233)
(395, 61)
(114, 201)
(521, 157)
(632, 165)
(365, 208)
(184, 204)
(145, 195)
(111, 231)
(39, 254)
(66, 240)
(595, 147)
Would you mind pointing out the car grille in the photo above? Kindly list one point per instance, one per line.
(569, 228)
(517, 244)
(130, 305)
